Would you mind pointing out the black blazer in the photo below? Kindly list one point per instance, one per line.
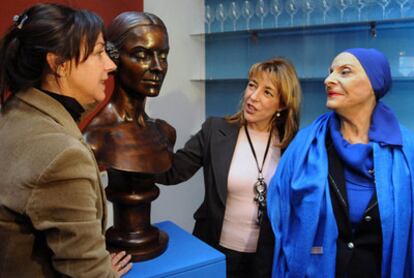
(212, 148)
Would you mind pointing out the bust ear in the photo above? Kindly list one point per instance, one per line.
(113, 52)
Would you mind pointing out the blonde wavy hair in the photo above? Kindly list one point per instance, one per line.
(285, 79)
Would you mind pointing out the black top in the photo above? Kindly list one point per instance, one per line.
(359, 248)
(70, 104)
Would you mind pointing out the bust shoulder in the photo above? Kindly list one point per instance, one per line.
(129, 147)
(106, 117)
(167, 130)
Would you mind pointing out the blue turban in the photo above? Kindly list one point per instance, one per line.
(376, 67)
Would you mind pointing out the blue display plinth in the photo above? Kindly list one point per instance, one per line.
(186, 256)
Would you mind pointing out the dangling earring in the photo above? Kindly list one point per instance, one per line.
(277, 114)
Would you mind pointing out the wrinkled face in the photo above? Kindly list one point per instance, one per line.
(261, 101)
(347, 86)
(143, 61)
(86, 81)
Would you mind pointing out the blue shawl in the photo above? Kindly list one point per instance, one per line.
(301, 214)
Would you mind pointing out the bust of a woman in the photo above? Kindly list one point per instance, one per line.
(122, 135)
(129, 144)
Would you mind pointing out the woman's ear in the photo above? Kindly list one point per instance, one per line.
(281, 109)
(52, 61)
(58, 69)
(279, 112)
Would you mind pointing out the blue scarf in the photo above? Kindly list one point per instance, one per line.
(301, 214)
(357, 159)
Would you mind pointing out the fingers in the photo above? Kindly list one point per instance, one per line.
(124, 262)
(121, 262)
(116, 257)
(125, 269)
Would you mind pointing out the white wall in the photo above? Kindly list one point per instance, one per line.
(181, 101)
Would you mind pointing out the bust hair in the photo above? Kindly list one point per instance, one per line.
(117, 31)
(48, 28)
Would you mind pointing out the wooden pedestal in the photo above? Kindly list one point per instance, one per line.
(131, 195)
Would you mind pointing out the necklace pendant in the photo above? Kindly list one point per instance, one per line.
(260, 198)
(260, 192)
(260, 186)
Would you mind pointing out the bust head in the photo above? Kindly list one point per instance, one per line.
(122, 135)
(142, 42)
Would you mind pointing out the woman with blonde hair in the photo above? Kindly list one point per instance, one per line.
(239, 154)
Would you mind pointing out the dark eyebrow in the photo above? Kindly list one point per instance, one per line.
(139, 48)
(142, 48)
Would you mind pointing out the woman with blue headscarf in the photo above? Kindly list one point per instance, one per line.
(341, 201)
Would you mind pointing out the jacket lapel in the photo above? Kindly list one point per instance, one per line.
(223, 142)
(51, 107)
(337, 179)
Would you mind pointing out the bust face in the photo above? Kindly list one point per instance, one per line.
(143, 61)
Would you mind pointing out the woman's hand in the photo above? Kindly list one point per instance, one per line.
(121, 262)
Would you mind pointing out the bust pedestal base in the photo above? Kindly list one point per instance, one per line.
(131, 195)
(139, 251)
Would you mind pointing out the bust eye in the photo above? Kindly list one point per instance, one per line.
(163, 56)
(141, 55)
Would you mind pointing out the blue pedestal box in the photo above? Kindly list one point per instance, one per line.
(186, 256)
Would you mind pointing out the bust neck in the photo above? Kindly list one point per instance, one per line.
(129, 109)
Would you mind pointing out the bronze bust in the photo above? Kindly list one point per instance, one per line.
(129, 144)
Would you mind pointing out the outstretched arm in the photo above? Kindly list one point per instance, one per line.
(188, 160)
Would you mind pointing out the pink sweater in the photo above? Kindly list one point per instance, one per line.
(240, 231)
